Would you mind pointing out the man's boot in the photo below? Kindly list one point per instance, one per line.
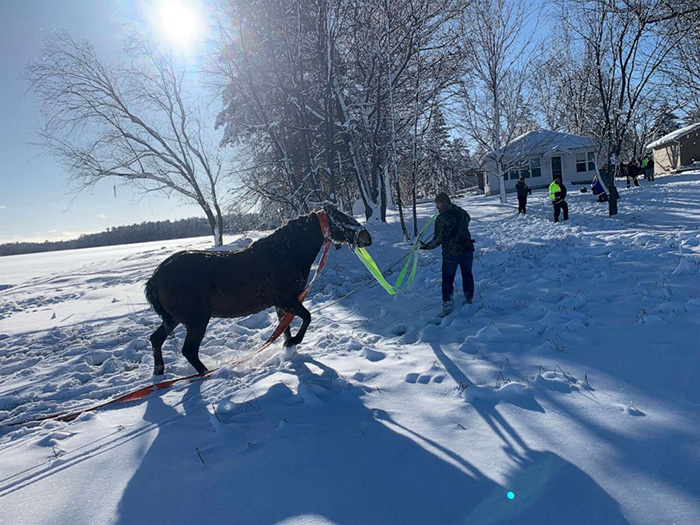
(446, 308)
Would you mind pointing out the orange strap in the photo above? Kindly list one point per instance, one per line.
(288, 317)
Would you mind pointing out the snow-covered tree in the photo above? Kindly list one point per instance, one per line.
(322, 93)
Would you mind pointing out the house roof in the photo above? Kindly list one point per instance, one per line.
(543, 142)
(673, 136)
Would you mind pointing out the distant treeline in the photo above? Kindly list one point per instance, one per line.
(144, 232)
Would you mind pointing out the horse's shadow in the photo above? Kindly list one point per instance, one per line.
(319, 452)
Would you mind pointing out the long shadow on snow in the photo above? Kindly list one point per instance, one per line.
(548, 488)
(651, 454)
(333, 458)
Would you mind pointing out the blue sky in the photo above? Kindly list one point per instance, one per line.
(34, 200)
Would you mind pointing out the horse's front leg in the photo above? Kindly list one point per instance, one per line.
(288, 330)
(293, 306)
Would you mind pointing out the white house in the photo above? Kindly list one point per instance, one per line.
(541, 156)
(677, 149)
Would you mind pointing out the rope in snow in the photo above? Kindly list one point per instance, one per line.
(43, 470)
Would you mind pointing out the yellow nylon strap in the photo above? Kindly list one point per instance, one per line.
(400, 285)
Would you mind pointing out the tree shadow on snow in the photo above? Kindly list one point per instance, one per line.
(546, 487)
(318, 452)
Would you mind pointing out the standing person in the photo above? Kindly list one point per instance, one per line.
(600, 184)
(452, 232)
(557, 194)
(643, 167)
(632, 173)
(522, 189)
(650, 167)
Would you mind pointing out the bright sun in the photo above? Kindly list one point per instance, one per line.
(179, 23)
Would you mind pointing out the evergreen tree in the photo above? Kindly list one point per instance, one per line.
(665, 122)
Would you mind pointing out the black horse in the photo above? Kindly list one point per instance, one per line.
(191, 287)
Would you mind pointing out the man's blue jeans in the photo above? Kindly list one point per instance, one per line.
(449, 269)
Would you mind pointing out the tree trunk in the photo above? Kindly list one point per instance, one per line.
(400, 205)
(215, 224)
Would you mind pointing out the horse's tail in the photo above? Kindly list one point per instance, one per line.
(151, 292)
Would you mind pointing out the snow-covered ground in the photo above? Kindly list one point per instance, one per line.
(571, 383)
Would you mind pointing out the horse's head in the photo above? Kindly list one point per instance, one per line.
(344, 229)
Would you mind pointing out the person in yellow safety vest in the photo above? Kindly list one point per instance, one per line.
(557, 194)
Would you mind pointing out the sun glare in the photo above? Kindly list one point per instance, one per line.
(180, 23)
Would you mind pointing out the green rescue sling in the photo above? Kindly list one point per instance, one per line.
(400, 284)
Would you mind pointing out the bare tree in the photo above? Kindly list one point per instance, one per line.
(128, 121)
(626, 44)
(494, 92)
(565, 98)
(683, 68)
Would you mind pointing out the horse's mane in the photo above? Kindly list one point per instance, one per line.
(296, 232)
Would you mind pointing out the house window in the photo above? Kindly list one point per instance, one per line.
(580, 162)
(591, 161)
(526, 169)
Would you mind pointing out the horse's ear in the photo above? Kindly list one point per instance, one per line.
(329, 207)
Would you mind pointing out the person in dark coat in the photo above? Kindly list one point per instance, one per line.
(557, 194)
(632, 173)
(452, 233)
(522, 189)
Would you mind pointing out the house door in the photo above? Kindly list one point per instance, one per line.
(556, 167)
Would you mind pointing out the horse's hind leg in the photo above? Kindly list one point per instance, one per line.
(288, 331)
(293, 306)
(157, 339)
(195, 334)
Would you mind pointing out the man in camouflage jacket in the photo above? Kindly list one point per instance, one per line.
(452, 233)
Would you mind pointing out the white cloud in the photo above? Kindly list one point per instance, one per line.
(2, 207)
(102, 216)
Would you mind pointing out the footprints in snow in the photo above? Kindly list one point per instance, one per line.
(424, 378)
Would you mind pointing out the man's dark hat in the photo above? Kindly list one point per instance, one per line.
(443, 197)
